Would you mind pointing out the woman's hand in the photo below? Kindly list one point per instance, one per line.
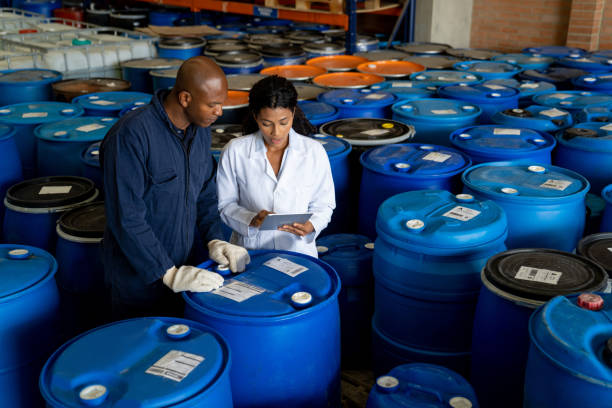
(258, 219)
(297, 228)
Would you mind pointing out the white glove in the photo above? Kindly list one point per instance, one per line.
(192, 279)
(225, 253)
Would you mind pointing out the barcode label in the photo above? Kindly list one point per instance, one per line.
(35, 115)
(553, 113)
(285, 266)
(461, 213)
(238, 291)
(90, 128)
(103, 102)
(495, 87)
(538, 275)
(529, 86)
(608, 288)
(499, 131)
(559, 185)
(437, 157)
(376, 96)
(444, 111)
(175, 365)
(401, 84)
(561, 96)
(54, 190)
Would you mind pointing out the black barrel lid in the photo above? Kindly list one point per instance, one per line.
(472, 53)
(28, 75)
(181, 42)
(303, 37)
(50, 192)
(366, 129)
(577, 131)
(552, 74)
(518, 113)
(238, 57)
(598, 248)
(541, 274)
(84, 221)
(217, 49)
(308, 91)
(223, 40)
(261, 40)
(422, 48)
(283, 51)
(222, 134)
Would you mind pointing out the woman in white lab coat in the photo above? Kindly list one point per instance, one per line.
(275, 169)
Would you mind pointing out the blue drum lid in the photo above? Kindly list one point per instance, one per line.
(528, 60)
(575, 333)
(81, 129)
(32, 113)
(152, 63)
(472, 53)
(435, 221)
(135, 363)
(276, 284)
(333, 146)
(524, 182)
(223, 134)
(368, 131)
(500, 140)
(489, 67)
(345, 247)
(318, 110)
(571, 99)
(112, 101)
(587, 63)
(437, 110)
(479, 93)
(421, 385)
(538, 275)
(440, 78)
(91, 155)
(358, 98)
(414, 160)
(591, 136)
(554, 51)
(29, 76)
(164, 73)
(525, 87)
(51, 192)
(6, 132)
(552, 74)
(84, 221)
(598, 248)
(595, 81)
(22, 267)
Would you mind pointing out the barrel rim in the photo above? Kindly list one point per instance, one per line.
(58, 77)
(47, 277)
(91, 138)
(398, 139)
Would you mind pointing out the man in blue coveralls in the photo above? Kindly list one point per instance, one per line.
(159, 181)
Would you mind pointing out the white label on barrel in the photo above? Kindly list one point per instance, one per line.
(238, 291)
(437, 157)
(556, 184)
(103, 102)
(401, 84)
(444, 111)
(376, 96)
(608, 288)
(561, 96)
(461, 213)
(494, 87)
(499, 131)
(375, 132)
(175, 365)
(538, 275)
(90, 128)
(607, 127)
(605, 76)
(285, 266)
(553, 113)
(35, 115)
(529, 86)
(55, 190)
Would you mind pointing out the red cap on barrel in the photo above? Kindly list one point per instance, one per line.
(590, 301)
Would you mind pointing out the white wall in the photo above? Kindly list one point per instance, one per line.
(444, 21)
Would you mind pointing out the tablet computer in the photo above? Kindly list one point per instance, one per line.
(273, 221)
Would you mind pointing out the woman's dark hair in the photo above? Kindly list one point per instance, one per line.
(276, 92)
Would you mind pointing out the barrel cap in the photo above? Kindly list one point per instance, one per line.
(85, 221)
(82, 129)
(590, 301)
(50, 192)
(598, 248)
(33, 113)
(368, 131)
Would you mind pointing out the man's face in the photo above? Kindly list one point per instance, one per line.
(206, 104)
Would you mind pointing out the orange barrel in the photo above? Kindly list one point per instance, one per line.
(70, 13)
(307, 92)
(235, 107)
(347, 80)
(66, 90)
(433, 61)
(294, 72)
(337, 63)
(390, 69)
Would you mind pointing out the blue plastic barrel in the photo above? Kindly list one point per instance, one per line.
(351, 256)
(606, 222)
(430, 249)
(145, 362)
(527, 89)
(240, 62)
(29, 306)
(595, 206)
(434, 119)
(594, 82)
(489, 143)
(545, 205)
(595, 247)
(27, 85)
(589, 63)
(359, 103)
(514, 284)
(536, 117)
(395, 168)
(586, 149)
(66, 140)
(406, 90)
(44, 7)
(491, 98)
(34, 206)
(281, 320)
(164, 17)
(555, 51)
(90, 165)
(24, 117)
(10, 165)
(163, 78)
(137, 71)
(180, 47)
(421, 385)
(489, 69)
(572, 101)
(559, 76)
(445, 77)
(595, 113)
(570, 353)
(110, 103)
(526, 61)
(318, 113)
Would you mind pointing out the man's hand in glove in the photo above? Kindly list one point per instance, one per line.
(225, 253)
(192, 279)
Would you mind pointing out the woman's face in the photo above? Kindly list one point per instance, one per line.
(275, 124)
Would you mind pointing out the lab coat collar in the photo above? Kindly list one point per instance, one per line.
(295, 143)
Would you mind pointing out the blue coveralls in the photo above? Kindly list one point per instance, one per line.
(159, 182)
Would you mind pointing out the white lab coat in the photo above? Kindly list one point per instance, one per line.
(246, 184)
